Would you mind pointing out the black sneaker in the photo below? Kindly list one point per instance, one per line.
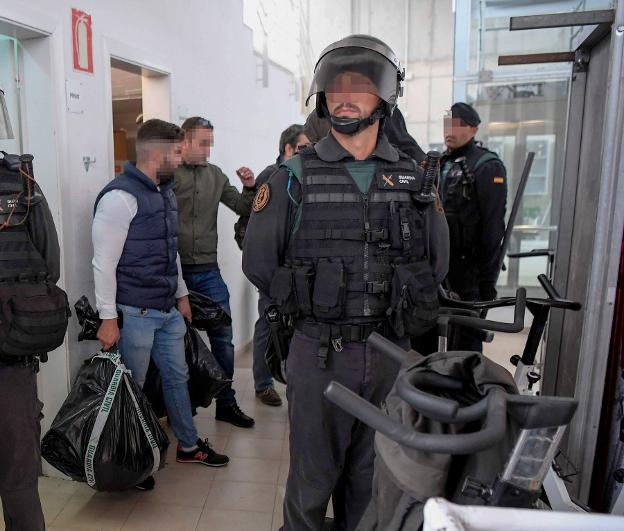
(203, 454)
(147, 484)
(235, 416)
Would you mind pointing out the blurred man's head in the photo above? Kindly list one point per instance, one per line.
(351, 95)
(198, 139)
(291, 141)
(159, 149)
(461, 124)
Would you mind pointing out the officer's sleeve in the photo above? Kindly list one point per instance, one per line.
(491, 184)
(44, 237)
(438, 241)
(239, 202)
(265, 174)
(269, 230)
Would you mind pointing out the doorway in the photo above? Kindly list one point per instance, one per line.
(137, 94)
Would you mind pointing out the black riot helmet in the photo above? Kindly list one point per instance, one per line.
(366, 56)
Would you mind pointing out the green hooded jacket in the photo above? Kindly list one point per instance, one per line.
(199, 190)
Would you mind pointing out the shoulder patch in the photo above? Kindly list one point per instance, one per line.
(499, 180)
(263, 195)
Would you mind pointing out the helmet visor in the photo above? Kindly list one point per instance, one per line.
(356, 70)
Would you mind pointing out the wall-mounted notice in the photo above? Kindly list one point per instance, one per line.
(73, 94)
(82, 41)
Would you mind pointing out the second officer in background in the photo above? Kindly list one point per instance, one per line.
(473, 189)
(338, 240)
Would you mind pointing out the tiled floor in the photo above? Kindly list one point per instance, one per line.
(244, 496)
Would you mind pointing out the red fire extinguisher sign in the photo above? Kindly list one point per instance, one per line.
(82, 42)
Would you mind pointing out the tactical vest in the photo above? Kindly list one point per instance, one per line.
(461, 206)
(356, 257)
(33, 311)
(19, 258)
(147, 273)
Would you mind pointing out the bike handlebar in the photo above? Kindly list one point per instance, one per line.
(555, 300)
(457, 444)
(493, 326)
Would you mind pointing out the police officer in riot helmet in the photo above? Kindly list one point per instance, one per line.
(33, 321)
(341, 243)
(473, 189)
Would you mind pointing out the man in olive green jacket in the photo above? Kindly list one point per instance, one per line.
(199, 188)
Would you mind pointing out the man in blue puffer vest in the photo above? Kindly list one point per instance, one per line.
(137, 272)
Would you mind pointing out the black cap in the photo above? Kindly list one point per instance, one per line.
(466, 113)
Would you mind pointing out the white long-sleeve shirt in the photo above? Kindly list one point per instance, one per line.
(115, 211)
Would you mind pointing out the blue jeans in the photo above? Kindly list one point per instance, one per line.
(211, 284)
(160, 335)
(261, 372)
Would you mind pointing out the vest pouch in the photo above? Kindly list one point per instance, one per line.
(304, 278)
(33, 318)
(414, 299)
(328, 297)
(282, 290)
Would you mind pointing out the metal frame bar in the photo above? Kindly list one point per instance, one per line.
(562, 20)
(532, 58)
(596, 335)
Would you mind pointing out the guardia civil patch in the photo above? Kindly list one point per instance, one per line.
(398, 181)
(262, 197)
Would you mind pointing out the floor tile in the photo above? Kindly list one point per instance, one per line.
(254, 448)
(234, 521)
(239, 496)
(162, 517)
(250, 470)
(187, 484)
(100, 513)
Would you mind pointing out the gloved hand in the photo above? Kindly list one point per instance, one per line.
(487, 291)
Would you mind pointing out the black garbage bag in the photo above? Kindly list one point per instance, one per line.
(106, 432)
(90, 320)
(207, 314)
(206, 377)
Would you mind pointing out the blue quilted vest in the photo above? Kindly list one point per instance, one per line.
(147, 273)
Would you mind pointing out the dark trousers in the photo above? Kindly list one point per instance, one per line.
(461, 338)
(331, 452)
(20, 454)
(261, 372)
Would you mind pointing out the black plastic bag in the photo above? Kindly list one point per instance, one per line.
(90, 320)
(207, 314)
(206, 377)
(131, 444)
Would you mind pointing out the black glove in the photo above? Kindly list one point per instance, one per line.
(487, 291)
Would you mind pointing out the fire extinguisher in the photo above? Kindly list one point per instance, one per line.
(82, 43)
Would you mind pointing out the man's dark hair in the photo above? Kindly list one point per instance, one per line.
(289, 137)
(155, 130)
(196, 122)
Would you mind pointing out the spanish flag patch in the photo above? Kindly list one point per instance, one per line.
(499, 180)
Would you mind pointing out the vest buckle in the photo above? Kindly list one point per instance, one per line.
(406, 234)
(337, 344)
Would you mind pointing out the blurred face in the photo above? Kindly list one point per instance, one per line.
(351, 95)
(197, 144)
(457, 133)
(290, 151)
(170, 155)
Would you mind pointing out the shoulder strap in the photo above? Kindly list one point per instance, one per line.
(294, 167)
(486, 157)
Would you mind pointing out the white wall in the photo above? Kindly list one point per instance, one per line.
(208, 53)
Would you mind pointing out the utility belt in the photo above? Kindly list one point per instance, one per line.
(20, 361)
(333, 335)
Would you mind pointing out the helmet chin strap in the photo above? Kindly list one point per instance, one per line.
(352, 126)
